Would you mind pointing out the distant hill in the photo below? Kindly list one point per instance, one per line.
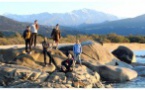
(73, 18)
(9, 27)
(134, 26)
(130, 26)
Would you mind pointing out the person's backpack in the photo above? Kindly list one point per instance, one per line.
(28, 35)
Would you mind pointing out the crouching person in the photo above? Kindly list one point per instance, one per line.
(68, 64)
(46, 51)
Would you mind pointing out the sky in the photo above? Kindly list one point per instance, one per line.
(120, 8)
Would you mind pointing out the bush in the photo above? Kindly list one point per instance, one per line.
(110, 38)
(117, 38)
(140, 39)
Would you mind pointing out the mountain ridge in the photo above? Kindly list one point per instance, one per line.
(129, 26)
(73, 18)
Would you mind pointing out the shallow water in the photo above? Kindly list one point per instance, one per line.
(139, 82)
(141, 52)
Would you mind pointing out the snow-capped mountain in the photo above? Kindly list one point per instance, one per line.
(76, 17)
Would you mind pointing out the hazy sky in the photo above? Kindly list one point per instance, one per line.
(120, 8)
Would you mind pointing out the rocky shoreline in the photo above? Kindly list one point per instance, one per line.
(140, 56)
(20, 70)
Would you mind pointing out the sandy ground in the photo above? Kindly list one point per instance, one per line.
(132, 46)
(108, 46)
(21, 46)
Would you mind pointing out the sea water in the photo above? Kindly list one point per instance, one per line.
(138, 82)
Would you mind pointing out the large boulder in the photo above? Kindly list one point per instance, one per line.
(30, 61)
(33, 60)
(124, 54)
(95, 53)
(14, 75)
(113, 73)
(118, 74)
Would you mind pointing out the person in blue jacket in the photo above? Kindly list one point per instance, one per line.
(77, 50)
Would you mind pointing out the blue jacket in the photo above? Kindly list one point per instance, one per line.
(77, 49)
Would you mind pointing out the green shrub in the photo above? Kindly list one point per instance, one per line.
(117, 38)
(109, 38)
